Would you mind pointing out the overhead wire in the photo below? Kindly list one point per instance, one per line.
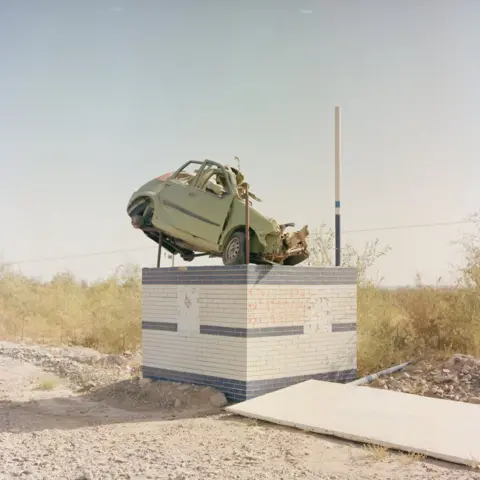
(137, 249)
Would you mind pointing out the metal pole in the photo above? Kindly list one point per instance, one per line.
(159, 254)
(338, 252)
(375, 376)
(247, 226)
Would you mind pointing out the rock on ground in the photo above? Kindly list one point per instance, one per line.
(71, 414)
(455, 379)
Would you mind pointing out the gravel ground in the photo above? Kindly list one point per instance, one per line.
(456, 379)
(76, 414)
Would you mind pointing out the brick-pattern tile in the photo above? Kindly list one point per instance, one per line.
(249, 274)
(262, 387)
(344, 327)
(234, 390)
(252, 332)
(202, 354)
(273, 305)
(223, 305)
(162, 326)
(239, 391)
(273, 327)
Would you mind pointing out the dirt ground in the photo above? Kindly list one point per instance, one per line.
(75, 414)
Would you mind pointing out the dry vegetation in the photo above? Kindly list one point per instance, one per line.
(393, 325)
(104, 315)
(47, 384)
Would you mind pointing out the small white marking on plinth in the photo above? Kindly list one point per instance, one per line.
(188, 309)
(317, 315)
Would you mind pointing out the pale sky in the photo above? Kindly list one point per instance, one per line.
(97, 97)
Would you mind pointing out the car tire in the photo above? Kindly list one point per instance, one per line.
(294, 260)
(234, 251)
(188, 257)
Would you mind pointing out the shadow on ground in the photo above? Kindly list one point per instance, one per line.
(121, 402)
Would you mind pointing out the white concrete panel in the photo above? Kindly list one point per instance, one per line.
(442, 429)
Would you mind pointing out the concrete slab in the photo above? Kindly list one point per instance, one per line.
(442, 429)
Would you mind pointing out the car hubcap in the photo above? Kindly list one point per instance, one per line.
(233, 249)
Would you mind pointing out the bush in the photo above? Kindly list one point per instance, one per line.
(104, 315)
(406, 324)
(393, 325)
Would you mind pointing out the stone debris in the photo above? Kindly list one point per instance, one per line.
(218, 400)
(457, 379)
(84, 367)
(114, 379)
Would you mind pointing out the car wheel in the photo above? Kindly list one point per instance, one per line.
(294, 260)
(188, 257)
(234, 251)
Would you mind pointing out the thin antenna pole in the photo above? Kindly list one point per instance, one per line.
(338, 253)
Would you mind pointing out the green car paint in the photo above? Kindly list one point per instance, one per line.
(203, 210)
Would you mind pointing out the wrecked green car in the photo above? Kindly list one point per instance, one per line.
(200, 210)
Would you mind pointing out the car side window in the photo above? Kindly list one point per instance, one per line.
(188, 173)
(214, 182)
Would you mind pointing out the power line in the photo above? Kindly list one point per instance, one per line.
(113, 252)
(407, 227)
(80, 255)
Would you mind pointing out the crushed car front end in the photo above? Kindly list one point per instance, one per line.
(283, 247)
(270, 242)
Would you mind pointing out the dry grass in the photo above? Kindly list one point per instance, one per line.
(475, 464)
(400, 325)
(104, 315)
(378, 452)
(393, 326)
(411, 457)
(47, 384)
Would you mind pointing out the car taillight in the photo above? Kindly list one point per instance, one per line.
(163, 177)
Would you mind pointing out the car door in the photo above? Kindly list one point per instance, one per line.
(209, 208)
(174, 215)
(209, 212)
(196, 210)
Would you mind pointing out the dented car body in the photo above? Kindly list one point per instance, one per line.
(200, 210)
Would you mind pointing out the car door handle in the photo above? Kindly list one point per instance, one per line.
(192, 194)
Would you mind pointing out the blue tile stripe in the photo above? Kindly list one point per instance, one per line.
(344, 327)
(234, 390)
(252, 332)
(261, 387)
(163, 326)
(240, 390)
(250, 275)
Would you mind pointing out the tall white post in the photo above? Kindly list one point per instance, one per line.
(338, 253)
